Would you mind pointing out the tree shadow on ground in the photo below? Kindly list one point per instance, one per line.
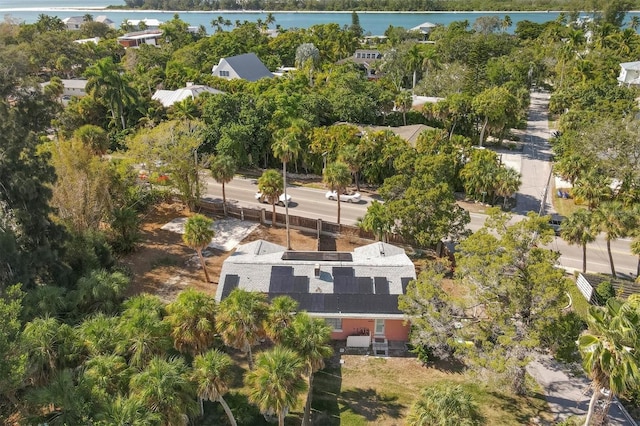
(326, 389)
(370, 404)
(511, 405)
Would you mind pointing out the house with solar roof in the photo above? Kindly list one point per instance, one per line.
(355, 292)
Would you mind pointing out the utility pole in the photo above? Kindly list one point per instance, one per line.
(543, 202)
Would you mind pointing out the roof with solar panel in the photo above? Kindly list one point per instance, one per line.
(363, 282)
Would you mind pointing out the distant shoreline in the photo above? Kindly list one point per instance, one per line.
(253, 12)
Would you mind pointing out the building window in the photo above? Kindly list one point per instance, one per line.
(358, 55)
(334, 323)
(224, 73)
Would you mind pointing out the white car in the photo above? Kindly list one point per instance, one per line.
(349, 198)
(264, 199)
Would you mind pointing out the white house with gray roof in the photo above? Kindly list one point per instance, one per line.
(629, 74)
(355, 292)
(247, 67)
(170, 97)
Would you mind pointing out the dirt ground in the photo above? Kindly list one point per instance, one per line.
(163, 265)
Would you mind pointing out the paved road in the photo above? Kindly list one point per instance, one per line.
(568, 395)
(310, 202)
(535, 165)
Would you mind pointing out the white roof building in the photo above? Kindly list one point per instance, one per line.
(170, 97)
(629, 74)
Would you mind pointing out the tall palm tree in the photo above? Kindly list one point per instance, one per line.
(403, 102)
(211, 374)
(614, 220)
(444, 406)
(240, 320)
(197, 235)
(280, 316)
(106, 80)
(414, 62)
(276, 382)
(578, 228)
(192, 321)
(286, 148)
(337, 176)
(307, 56)
(270, 183)
(62, 401)
(223, 169)
(164, 388)
(507, 183)
(610, 350)
(309, 337)
(352, 157)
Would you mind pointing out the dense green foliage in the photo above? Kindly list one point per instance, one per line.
(72, 349)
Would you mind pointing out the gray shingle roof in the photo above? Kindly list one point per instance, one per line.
(249, 67)
(366, 285)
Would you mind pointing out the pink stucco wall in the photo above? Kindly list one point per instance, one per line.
(393, 329)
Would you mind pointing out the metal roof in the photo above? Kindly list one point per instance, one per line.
(170, 97)
(248, 66)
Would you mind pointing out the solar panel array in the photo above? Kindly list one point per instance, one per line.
(230, 282)
(283, 281)
(318, 256)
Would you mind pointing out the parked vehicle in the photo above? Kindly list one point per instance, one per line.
(556, 223)
(353, 197)
(264, 199)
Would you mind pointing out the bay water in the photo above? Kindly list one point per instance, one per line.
(373, 23)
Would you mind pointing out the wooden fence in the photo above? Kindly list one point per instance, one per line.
(316, 226)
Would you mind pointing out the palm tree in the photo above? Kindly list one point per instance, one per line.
(337, 176)
(198, 235)
(211, 374)
(271, 184)
(376, 220)
(352, 157)
(414, 62)
(276, 382)
(223, 169)
(144, 333)
(578, 228)
(46, 342)
(123, 411)
(240, 320)
(286, 148)
(403, 102)
(100, 334)
(62, 401)
(105, 80)
(593, 187)
(309, 337)
(192, 321)
(508, 181)
(614, 220)
(280, 316)
(164, 388)
(609, 350)
(445, 406)
(107, 375)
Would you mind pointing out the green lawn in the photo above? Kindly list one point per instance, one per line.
(366, 390)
